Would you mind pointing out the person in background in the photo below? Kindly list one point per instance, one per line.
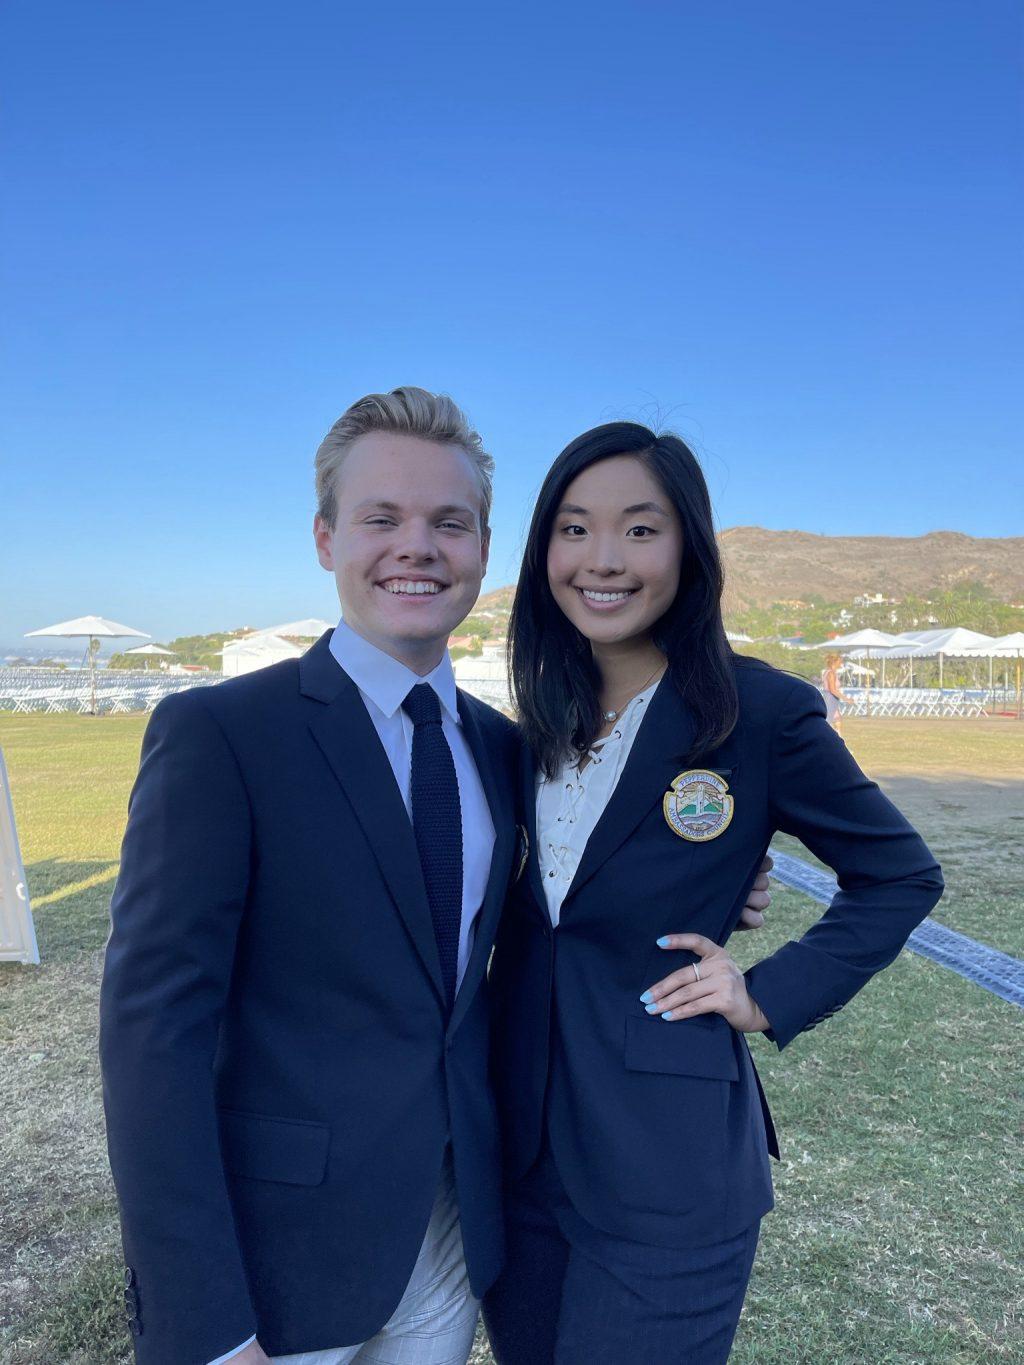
(832, 691)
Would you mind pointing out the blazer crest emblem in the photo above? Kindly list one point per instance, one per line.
(698, 806)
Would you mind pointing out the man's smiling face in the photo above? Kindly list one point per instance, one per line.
(407, 550)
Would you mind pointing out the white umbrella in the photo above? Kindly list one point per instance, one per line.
(152, 651)
(93, 628)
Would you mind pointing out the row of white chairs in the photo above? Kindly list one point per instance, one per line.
(52, 691)
(915, 701)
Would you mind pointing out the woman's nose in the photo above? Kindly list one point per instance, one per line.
(606, 556)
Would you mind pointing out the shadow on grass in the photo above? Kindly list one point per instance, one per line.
(70, 906)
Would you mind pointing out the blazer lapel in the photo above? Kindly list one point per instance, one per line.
(662, 741)
(528, 795)
(346, 735)
(499, 800)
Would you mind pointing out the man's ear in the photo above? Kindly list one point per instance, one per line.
(485, 546)
(322, 538)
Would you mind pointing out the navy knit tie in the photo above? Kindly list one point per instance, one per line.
(437, 822)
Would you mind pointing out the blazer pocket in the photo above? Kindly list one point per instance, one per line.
(292, 1151)
(691, 1047)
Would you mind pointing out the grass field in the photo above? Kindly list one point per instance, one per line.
(900, 1221)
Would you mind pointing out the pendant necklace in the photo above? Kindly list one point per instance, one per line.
(614, 715)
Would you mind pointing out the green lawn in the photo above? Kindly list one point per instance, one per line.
(898, 1231)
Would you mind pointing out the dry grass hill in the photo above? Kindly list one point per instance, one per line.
(770, 566)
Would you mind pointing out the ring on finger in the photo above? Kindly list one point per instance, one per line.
(696, 972)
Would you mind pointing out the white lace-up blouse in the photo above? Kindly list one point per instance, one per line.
(570, 804)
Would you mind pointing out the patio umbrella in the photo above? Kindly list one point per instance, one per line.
(152, 651)
(94, 629)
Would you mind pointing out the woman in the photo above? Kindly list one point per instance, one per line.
(832, 691)
(659, 766)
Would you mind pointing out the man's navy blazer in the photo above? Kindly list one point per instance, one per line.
(659, 1129)
(279, 1076)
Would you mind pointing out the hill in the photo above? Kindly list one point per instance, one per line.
(771, 566)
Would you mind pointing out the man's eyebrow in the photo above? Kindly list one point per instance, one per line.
(383, 505)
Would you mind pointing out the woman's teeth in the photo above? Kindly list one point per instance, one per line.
(606, 596)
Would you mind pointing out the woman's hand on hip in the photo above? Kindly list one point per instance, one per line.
(713, 985)
(758, 897)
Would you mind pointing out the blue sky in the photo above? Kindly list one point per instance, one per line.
(789, 231)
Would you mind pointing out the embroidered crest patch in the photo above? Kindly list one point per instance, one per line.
(698, 806)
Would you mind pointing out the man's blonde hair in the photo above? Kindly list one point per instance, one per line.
(406, 412)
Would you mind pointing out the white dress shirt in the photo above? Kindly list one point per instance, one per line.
(384, 684)
(570, 804)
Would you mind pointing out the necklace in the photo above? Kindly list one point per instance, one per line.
(614, 715)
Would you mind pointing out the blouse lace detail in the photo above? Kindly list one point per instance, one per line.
(570, 804)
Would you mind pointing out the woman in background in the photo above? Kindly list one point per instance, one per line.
(832, 691)
(658, 766)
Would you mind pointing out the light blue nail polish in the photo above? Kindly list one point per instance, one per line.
(663, 941)
(646, 998)
(651, 1009)
(667, 1014)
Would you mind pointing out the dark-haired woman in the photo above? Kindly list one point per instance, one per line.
(659, 766)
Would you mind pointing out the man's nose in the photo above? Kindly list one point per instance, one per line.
(416, 541)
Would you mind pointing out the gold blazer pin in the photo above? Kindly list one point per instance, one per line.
(698, 806)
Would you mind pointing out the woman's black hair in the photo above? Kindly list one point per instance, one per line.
(552, 673)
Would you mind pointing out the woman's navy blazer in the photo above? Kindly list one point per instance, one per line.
(659, 1129)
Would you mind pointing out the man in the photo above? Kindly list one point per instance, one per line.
(294, 1016)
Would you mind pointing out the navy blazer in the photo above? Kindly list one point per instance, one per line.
(658, 1129)
(279, 1078)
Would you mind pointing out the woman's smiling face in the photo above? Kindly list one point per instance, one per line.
(615, 551)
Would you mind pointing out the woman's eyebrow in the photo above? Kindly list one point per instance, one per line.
(570, 509)
(644, 507)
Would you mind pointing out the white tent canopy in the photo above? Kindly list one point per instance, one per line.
(868, 638)
(152, 649)
(308, 629)
(1002, 647)
(256, 651)
(953, 641)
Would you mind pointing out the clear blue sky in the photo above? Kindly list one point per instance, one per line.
(791, 231)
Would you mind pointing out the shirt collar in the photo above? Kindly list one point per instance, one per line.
(385, 680)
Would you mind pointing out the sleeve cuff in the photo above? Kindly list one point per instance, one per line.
(221, 1360)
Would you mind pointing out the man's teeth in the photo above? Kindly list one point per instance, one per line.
(398, 586)
(606, 596)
